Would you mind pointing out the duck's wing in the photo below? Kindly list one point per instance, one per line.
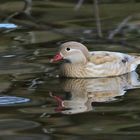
(102, 57)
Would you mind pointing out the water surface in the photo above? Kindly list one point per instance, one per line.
(35, 103)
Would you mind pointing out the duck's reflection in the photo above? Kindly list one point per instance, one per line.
(83, 92)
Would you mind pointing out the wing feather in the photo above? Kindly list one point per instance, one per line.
(102, 57)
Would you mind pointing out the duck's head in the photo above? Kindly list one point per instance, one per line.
(73, 52)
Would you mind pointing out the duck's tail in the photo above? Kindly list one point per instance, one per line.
(135, 63)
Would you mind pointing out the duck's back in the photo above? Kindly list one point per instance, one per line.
(102, 64)
(101, 57)
(106, 63)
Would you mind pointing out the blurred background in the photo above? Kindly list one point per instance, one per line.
(34, 102)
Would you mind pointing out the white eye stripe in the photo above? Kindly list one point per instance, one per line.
(61, 54)
(73, 50)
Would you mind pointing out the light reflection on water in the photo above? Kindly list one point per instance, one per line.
(84, 92)
(9, 100)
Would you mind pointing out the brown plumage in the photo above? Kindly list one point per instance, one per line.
(84, 64)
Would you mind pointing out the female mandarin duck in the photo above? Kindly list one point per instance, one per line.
(80, 63)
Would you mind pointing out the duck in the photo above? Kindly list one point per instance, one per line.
(80, 63)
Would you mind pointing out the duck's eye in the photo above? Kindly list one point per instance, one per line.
(68, 49)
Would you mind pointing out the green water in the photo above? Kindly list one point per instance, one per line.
(36, 104)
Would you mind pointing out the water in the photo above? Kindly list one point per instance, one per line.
(35, 103)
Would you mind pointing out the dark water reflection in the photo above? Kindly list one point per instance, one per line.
(35, 104)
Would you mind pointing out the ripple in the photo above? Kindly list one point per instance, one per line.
(25, 137)
(8, 100)
(16, 124)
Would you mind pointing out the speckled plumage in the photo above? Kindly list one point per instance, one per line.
(84, 64)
